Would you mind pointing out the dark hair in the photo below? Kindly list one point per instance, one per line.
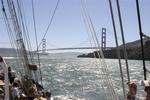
(2, 76)
(15, 84)
(9, 68)
(146, 88)
(48, 94)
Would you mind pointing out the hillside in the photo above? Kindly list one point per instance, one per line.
(133, 51)
(7, 52)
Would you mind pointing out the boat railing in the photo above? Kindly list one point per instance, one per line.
(6, 80)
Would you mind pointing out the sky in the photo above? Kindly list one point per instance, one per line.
(68, 28)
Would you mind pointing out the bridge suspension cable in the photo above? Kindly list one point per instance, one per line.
(50, 23)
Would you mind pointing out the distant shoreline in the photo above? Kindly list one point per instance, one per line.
(133, 52)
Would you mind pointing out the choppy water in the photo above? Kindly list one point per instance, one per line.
(80, 78)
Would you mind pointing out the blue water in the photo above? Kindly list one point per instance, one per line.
(80, 78)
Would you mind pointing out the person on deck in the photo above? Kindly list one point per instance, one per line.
(131, 95)
(1, 94)
(2, 76)
(15, 90)
(32, 93)
(40, 96)
(146, 83)
(48, 95)
(147, 90)
(11, 75)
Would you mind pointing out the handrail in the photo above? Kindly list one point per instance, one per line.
(6, 80)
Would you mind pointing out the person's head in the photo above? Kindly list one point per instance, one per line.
(9, 68)
(132, 88)
(146, 84)
(15, 84)
(48, 94)
(33, 90)
(2, 76)
(17, 80)
(40, 94)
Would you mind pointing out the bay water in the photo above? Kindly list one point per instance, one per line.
(72, 78)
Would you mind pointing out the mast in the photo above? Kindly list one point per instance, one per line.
(18, 34)
(141, 37)
(20, 43)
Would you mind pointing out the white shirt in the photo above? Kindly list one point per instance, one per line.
(15, 92)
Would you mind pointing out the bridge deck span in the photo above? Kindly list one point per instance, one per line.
(74, 48)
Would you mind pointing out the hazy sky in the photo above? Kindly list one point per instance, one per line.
(68, 28)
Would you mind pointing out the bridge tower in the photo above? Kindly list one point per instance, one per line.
(103, 43)
(44, 45)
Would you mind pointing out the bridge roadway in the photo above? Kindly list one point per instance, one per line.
(74, 48)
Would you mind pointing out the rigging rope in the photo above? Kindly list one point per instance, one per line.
(37, 42)
(6, 19)
(25, 30)
(13, 19)
(9, 31)
(89, 30)
(118, 50)
(105, 69)
(110, 85)
(18, 33)
(51, 20)
(141, 37)
(30, 48)
(123, 40)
